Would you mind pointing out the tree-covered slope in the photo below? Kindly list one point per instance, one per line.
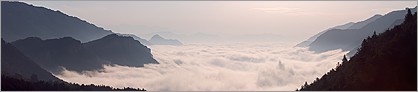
(385, 61)
(15, 63)
(350, 39)
(53, 54)
(15, 84)
(121, 50)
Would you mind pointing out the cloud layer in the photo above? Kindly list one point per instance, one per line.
(202, 67)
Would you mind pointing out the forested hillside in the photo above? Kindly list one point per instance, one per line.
(385, 61)
(14, 84)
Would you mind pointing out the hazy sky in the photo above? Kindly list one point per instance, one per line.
(294, 21)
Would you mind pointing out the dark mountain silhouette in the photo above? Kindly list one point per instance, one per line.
(27, 25)
(350, 39)
(121, 50)
(385, 61)
(143, 41)
(51, 54)
(16, 64)
(158, 40)
(19, 73)
(350, 25)
(310, 40)
(197, 37)
(313, 38)
(345, 26)
(361, 24)
(20, 20)
(16, 84)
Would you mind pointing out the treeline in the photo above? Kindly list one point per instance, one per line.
(385, 61)
(15, 84)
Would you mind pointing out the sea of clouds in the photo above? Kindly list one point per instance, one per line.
(217, 67)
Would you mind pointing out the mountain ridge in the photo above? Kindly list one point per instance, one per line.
(349, 39)
(158, 40)
(54, 54)
(51, 54)
(46, 23)
(349, 25)
(14, 63)
(385, 62)
(121, 50)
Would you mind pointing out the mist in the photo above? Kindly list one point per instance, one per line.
(287, 21)
(217, 67)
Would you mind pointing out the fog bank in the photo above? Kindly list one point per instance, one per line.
(203, 67)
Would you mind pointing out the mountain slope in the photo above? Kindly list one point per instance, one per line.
(142, 41)
(346, 26)
(361, 24)
(158, 40)
(51, 54)
(15, 84)
(121, 50)
(16, 64)
(20, 20)
(384, 62)
(313, 38)
(349, 39)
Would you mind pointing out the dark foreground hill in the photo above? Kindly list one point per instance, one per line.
(19, 73)
(53, 54)
(15, 84)
(121, 50)
(14, 63)
(347, 26)
(350, 39)
(385, 61)
(20, 20)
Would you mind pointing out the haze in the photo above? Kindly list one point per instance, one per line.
(211, 45)
(278, 21)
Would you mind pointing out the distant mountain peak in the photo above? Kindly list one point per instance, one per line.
(158, 40)
(142, 41)
(156, 36)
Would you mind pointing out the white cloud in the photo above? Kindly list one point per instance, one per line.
(200, 67)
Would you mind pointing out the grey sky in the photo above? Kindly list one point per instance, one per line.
(293, 21)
